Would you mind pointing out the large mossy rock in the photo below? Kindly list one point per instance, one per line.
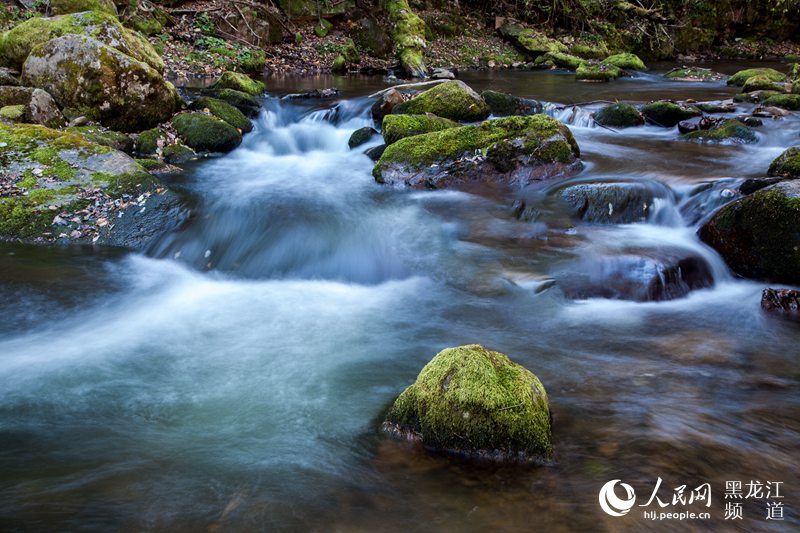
(505, 105)
(56, 172)
(502, 152)
(224, 111)
(396, 127)
(101, 83)
(759, 235)
(247, 104)
(17, 43)
(38, 106)
(452, 99)
(408, 34)
(63, 7)
(205, 133)
(785, 101)
(742, 76)
(533, 43)
(597, 72)
(619, 115)
(238, 82)
(731, 130)
(787, 165)
(563, 60)
(625, 61)
(473, 401)
(668, 114)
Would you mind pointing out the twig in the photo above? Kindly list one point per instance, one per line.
(244, 19)
(605, 127)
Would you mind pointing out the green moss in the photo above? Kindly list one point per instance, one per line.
(668, 114)
(103, 137)
(755, 96)
(396, 127)
(469, 399)
(62, 7)
(147, 142)
(144, 24)
(239, 82)
(625, 61)
(223, 110)
(339, 64)
(532, 42)
(619, 115)
(20, 41)
(244, 102)
(150, 164)
(177, 154)
(408, 34)
(596, 72)
(453, 99)
(350, 52)
(742, 76)
(205, 133)
(322, 28)
(563, 60)
(252, 60)
(590, 50)
(421, 151)
(729, 130)
(786, 101)
(787, 165)
(760, 83)
(13, 113)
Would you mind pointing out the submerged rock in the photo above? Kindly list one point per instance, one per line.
(375, 152)
(668, 114)
(513, 150)
(781, 301)
(757, 235)
(101, 83)
(396, 127)
(619, 115)
(473, 401)
(361, 136)
(625, 61)
(206, 133)
(504, 105)
(729, 130)
(24, 38)
(610, 203)
(787, 165)
(742, 76)
(452, 99)
(642, 276)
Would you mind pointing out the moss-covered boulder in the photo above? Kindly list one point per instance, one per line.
(625, 61)
(597, 72)
(101, 83)
(473, 401)
(452, 99)
(408, 34)
(505, 105)
(38, 105)
(693, 74)
(563, 60)
(668, 114)
(597, 49)
(17, 43)
(758, 235)
(238, 82)
(396, 127)
(55, 174)
(619, 115)
(63, 7)
(247, 104)
(223, 110)
(785, 101)
(760, 83)
(205, 133)
(533, 43)
(787, 165)
(501, 152)
(361, 136)
(742, 76)
(730, 130)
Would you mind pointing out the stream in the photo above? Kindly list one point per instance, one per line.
(233, 378)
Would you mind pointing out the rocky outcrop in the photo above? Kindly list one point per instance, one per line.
(396, 127)
(757, 235)
(452, 99)
(101, 83)
(17, 44)
(502, 152)
(476, 402)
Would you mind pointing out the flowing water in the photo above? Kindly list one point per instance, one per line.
(233, 378)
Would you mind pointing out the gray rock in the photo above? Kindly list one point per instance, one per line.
(611, 203)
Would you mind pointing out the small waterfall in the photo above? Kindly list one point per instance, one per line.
(571, 115)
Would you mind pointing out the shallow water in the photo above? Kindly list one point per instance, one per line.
(233, 378)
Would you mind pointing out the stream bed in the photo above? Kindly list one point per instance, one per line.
(234, 377)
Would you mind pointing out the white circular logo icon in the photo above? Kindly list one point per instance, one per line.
(613, 505)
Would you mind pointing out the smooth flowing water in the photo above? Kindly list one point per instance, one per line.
(234, 377)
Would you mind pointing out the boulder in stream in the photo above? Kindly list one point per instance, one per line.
(597, 72)
(476, 402)
(625, 61)
(396, 127)
(504, 105)
(784, 101)
(224, 111)
(206, 133)
(637, 275)
(361, 136)
(244, 102)
(610, 203)
(742, 76)
(730, 130)
(385, 103)
(758, 235)
(668, 114)
(452, 99)
(502, 152)
(238, 82)
(786, 165)
(619, 115)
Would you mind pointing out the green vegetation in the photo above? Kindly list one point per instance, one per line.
(742, 76)
(223, 110)
(453, 99)
(619, 115)
(626, 61)
(239, 82)
(396, 127)
(206, 133)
